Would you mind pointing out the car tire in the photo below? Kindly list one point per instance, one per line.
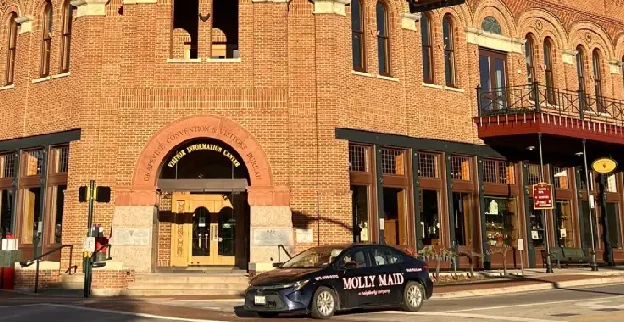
(324, 303)
(413, 297)
(267, 315)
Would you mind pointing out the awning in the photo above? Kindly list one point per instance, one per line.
(428, 5)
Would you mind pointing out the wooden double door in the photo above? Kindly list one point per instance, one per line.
(205, 229)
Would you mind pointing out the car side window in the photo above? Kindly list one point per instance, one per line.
(383, 256)
(357, 256)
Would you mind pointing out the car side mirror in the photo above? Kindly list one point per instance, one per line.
(350, 265)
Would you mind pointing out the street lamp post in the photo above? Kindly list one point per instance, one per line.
(544, 222)
(588, 188)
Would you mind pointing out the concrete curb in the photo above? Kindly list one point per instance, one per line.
(542, 286)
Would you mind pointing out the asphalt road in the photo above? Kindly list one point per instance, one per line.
(600, 304)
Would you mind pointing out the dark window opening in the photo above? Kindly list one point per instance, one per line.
(361, 230)
(529, 56)
(548, 70)
(11, 48)
(493, 80)
(462, 206)
(449, 51)
(429, 217)
(357, 32)
(225, 29)
(395, 207)
(596, 61)
(68, 16)
(185, 29)
(427, 49)
(46, 41)
(580, 67)
(613, 224)
(383, 39)
(6, 212)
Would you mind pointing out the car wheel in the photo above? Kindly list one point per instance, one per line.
(323, 303)
(413, 297)
(268, 314)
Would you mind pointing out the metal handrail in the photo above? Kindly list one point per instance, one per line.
(37, 259)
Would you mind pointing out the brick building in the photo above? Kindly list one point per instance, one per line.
(230, 133)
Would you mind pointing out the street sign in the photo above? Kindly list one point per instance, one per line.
(89, 245)
(542, 196)
(604, 165)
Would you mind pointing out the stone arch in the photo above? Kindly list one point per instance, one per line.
(592, 36)
(539, 22)
(151, 159)
(619, 46)
(498, 10)
(460, 16)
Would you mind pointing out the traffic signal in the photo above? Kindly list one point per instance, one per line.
(102, 194)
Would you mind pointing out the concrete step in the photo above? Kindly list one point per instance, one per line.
(188, 286)
(191, 278)
(166, 292)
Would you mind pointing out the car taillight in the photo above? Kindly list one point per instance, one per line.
(425, 266)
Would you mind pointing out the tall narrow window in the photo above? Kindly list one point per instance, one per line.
(529, 57)
(12, 44)
(357, 34)
(383, 39)
(224, 29)
(449, 51)
(622, 66)
(185, 29)
(68, 11)
(600, 106)
(580, 67)
(427, 48)
(548, 69)
(46, 40)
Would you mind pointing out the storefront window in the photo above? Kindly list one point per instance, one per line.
(34, 162)
(395, 204)
(462, 205)
(613, 225)
(361, 229)
(561, 178)
(31, 216)
(57, 197)
(501, 221)
(611, 184)
(6, 207)
(429, 216)
(565, 231)
(537, 227)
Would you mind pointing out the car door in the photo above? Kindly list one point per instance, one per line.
(391, 277)
(358, 281)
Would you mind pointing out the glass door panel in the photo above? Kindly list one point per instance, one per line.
(201, 233)
(493, 80)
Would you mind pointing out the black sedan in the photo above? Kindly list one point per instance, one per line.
(325, 279)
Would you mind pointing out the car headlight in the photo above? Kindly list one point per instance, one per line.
(297, 285)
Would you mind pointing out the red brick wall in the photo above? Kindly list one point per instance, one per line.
(292, 87)
(110, 279)
(25, 279)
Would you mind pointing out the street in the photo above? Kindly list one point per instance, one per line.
(604, 303)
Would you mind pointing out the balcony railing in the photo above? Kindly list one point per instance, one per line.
(536, 98)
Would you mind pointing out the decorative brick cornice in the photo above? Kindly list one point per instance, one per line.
(126, 2)
(25, 23)
(90, 7)
(409, 20)
(330, 6)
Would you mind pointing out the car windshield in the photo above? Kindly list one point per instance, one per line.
(314, 257)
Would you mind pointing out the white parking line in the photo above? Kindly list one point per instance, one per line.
(475, 316)
(535, 304)
(142, 315)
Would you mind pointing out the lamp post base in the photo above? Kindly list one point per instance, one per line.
(594, 266)
(549, 269)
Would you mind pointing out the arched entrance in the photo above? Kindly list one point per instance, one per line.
(215, 185)
(203, 207)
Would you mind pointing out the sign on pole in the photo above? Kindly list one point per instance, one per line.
(604, 165)
(542, 196)
(89, 245)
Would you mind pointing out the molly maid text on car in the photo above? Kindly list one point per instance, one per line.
(325, 279)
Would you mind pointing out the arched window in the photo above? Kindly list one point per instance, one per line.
(427, 49)
(357, 34)
(489, 24)
(383, 39)
(580, 67)
(622, 66)
(596, 64)
(11, 46)
(548, 70)
(68, 11)
(449, 51)
(46, 40)
(529, 57)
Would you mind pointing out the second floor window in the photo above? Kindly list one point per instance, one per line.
(449, 51)
(580, 67)
(427, 49)
(548, 70)
(11, 46)
(357, 31)
(383, 41)
(46, 40)
(68, 11)
(600, 106)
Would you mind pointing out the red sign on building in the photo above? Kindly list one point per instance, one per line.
(542, 196)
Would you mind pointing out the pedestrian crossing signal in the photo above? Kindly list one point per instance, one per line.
(101, 194)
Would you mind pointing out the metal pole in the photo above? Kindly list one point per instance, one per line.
(544, 222)
(87, 261)
(588, 188)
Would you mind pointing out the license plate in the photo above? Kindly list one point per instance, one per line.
(259, 300)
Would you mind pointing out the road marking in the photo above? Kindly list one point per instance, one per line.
(475, 316)
(536, 304)
(142, 315)
(24, 313)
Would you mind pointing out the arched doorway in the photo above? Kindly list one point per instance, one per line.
(203, 184)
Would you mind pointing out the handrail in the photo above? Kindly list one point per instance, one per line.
(38, 259)
(282, 247)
